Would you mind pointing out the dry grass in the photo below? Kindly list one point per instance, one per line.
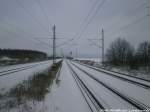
(33, 89)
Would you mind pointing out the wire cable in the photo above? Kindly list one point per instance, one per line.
(129, 12)
(130, 24)
(44, 13)
(78, 35)
(30, 14)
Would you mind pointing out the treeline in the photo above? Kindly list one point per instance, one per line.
(121, 52)
(23, 55)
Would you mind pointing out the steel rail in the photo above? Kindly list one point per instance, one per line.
(130, 100)
(90, 95)
(8, 72)
(120, 77)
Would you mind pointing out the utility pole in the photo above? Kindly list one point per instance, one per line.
(62, 54)
(148, 11)
(102, 46)
(54, 44)
(76, 53)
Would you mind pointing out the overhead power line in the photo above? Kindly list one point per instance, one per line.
(17, 28)
(43, 10)
(130, 12)
(91, 18)
(30, 14)
(13, 29)
(42, 42)
(88, 21)
(94, 44)
(130, 24)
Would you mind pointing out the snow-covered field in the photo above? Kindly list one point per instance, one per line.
(65, 95)
(141, 72)
(90, 59)
(10, 80)
(138, 93)
(105, 96)
(8, 67)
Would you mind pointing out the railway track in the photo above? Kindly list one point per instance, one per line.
(91, 100)
(139, 105)
(14, 70)
(131, 79)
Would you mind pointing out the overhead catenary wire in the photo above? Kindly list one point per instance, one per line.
(11, 30)
(124, 27)
(44, 12)
(42, 42)
(30, 14)
(94, 44)
(129, 12)
(129, 24)
(16, 33)
(15, 30)
(78, 35)
(88, 21)
(35, 19)
(7, 29)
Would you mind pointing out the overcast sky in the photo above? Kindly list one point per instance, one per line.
(24, 23)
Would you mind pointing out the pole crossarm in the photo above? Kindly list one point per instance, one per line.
(94, 39)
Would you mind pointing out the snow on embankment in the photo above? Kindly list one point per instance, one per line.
(10, 80)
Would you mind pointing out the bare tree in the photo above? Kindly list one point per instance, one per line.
(143, 53)
(120, 52)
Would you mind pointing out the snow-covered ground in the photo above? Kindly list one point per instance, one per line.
(9, 81)
(5, 58)
(65, 96)
(90, 59)
(133, 91)
(106, 97)
(141, 72)
(8, 67)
